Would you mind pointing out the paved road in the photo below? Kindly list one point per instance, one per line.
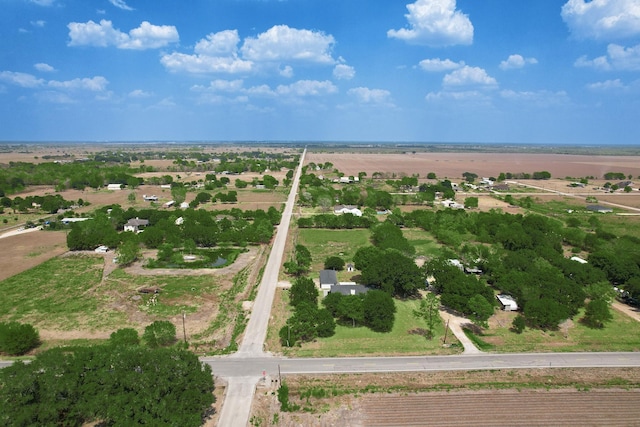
(241, 386)
(252, 367)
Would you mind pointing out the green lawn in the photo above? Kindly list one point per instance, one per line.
(54, 294)
(361, 341)
(65, 293)
(621, 334)
(323, 243)
(423, 241)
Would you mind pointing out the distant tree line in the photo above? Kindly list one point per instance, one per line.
(204, 228)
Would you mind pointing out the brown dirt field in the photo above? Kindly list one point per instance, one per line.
(593, 397)
(24, 251)
(453, 165)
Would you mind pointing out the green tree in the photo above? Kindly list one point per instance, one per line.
(128, 252)
(480, 310)
(111, 385)
(303, 290)
(165, 252)
(518, 324)
(351, 307)
(131, 197)
(124, 337)
(332, 303)
(471, 202)
(334, 263)
(379, 311)
(160, 333)
(18, 338)
(597, 313)
(429, 312)
(178, 193)
(325, 324)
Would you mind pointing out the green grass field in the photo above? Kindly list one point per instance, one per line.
(423, 241)
(621, 334)
(324, 243)
(361, 341)
(66, 293)
(56, 294)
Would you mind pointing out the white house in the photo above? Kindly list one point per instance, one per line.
(169, 204)
(114, 187)
(153, 198)
(507, 302)
(136, 225)
(578, 259)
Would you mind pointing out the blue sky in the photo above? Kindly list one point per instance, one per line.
(514, 71)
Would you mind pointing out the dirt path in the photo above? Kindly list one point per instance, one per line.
(455, 325)
(632, 312)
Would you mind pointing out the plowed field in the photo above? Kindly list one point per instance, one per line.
(505, 408)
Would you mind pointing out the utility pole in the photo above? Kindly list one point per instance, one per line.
(446, 329)
(184, 330)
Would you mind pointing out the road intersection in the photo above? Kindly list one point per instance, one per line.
(244, 369)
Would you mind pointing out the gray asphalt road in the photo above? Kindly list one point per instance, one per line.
(231, 367)
(241, 385)
(256, 331)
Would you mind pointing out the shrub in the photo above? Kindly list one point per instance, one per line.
(124, 337)
(160, 333)
(518, 324)
(17, 338)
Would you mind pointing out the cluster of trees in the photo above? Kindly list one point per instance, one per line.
(50, 203)
(308, 321)
(77, 175)
(18, 338)
(385, 265)
(461, 292)
(336, 221)
(300, 263)
(202, 227)
(527, 262)
(374, 309)
(616, 175)
(110, 384)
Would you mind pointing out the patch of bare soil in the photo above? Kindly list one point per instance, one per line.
(450, 398)
(23, 251)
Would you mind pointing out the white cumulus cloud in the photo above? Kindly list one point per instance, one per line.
(45, 68)
(307, 88)
(606, 85)
(617, 58)
(216, 53)
(20, 79)
(282, 43)
(94, 84)
(344, 72)
(370, 96)
(435, 23)
(120, 4)
(139, 93)
(469, 76)
(602, 19)
(287, 71)
(146, 36)
(516, 61)
(437, 64)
